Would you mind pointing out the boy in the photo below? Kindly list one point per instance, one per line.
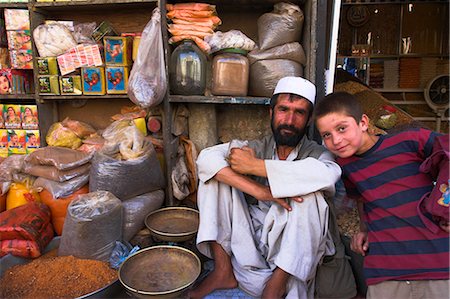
(405, 259)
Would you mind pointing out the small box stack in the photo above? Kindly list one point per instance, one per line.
(118, 52)
(19, 129)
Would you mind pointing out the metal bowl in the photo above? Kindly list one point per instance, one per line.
(162, 271)
(173, 224)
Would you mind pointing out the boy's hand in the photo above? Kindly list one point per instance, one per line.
(360, 243)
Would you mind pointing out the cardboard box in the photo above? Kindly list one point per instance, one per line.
(19, 40)
(16, 142)
(116, 79)
(29, 115)
(2, 121)
(5, 81)
(11, 116)
(3, 143)
(32, 140)
(48, 85)
(118, 50)
(47, 65)
(21, 59)
(70, 85)
(17, 19)
(93, 80)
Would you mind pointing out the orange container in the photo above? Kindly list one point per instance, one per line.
(58, 207)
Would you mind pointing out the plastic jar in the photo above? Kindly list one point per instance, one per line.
(230, 72)
(187, 69)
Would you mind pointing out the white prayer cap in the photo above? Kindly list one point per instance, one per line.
(298, 86)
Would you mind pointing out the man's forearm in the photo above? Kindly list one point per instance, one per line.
(243, 183)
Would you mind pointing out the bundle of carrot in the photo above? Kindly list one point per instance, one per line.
(192, 21)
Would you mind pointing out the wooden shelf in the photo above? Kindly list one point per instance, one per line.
(83, 97)
(17, 96)
(91, 5)
(219, 100)
(14, 5)
(394, 90)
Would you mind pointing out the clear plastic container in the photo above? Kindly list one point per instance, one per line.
(188, 70)
(230, 73)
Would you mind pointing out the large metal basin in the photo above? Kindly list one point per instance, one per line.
(162, 271)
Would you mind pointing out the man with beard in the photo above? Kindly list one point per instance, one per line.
(263, 214)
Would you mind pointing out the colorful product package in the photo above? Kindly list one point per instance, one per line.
(11, 116)
(117, 79)
(16, 142)
(2, 121)
(5, 81)
(29, 115)
(3, 143)
(21, 59)
(118, 50)
(93, 80)
(17, 19)
(33, 140)
(70, 85)
(47, 65)
(102, 30)
(48, 85)
(19, 39)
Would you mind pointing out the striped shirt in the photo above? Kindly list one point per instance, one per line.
(388, 179)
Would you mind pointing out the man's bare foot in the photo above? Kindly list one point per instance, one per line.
(276, 285)
(214, 281)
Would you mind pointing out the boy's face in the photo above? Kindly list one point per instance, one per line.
(342, 135)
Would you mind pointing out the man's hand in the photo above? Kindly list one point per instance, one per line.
(244, 161)
(360, 243)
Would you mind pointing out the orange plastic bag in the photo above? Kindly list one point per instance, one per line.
(191, 6)
(58, 207)
(19, 194)
(190, 13)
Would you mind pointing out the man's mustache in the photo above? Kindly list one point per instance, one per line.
(287, 127)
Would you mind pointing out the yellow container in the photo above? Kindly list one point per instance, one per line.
(136, 42)
(19, 195)
(47, 66)
(141, 125)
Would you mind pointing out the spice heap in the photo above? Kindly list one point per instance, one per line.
(348, 223)
(56, 277)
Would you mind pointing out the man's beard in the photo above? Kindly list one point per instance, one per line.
(288, 140)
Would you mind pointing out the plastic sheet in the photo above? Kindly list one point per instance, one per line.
(53, 173)
(265, 74)
(63, 189)
(93, 225)
(230, 39)
(136, 209)
(8, 169)
(283, 25)
(148, 83)
(292, 51)
(60, 157)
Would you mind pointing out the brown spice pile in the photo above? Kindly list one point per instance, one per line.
(56, 277)
(348, 223)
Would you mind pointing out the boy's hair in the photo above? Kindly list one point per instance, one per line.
(339, 102)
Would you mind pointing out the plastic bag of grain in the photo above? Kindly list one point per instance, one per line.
(93, 225)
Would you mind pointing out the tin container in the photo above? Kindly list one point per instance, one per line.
(116, 79)
(48, 85)
(118, 50)
(93, 80)
(47, 65)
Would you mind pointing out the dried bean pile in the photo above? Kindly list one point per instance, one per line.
(56, 277)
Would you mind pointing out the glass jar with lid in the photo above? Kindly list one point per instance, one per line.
(230, 73)
(187, 71)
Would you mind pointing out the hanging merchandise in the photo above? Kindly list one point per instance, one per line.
(148, 83)
(188, 69)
